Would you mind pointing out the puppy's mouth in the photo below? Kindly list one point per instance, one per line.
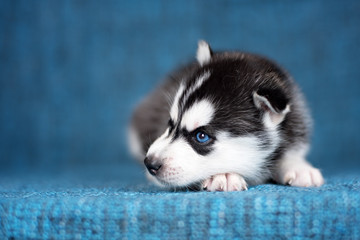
(168, 176)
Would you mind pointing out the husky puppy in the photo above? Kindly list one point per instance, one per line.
(234, 119)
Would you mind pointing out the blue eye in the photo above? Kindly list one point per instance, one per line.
(202, 137)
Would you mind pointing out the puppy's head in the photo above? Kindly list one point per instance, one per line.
(223, 119)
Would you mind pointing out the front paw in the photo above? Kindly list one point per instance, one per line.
(306, 176)
(225, 182)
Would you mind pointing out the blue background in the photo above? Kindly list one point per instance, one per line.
(72, 71)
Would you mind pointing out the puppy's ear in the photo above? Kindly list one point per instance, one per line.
(204, 53)
(274, 103)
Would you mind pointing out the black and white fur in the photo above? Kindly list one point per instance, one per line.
(252, 110)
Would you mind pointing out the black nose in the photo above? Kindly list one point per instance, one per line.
(152, 165)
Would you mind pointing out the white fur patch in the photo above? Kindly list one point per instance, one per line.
(199, 82)
(242, 155)
(159, 145)
(203, 54)
(174, 111)
(199, 114)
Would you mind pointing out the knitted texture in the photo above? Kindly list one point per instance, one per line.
(119, 211)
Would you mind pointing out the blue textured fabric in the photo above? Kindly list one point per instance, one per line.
(72, 71)
(121, 211)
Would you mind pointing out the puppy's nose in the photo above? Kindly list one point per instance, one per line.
(152, 165)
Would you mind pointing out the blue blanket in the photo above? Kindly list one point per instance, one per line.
(112, 210)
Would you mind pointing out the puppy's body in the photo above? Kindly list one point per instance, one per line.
(229, 120)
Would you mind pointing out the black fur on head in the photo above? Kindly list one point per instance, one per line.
(230, 87)
(234, 79)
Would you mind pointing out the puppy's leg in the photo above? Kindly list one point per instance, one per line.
(225, 182)
(293, 169)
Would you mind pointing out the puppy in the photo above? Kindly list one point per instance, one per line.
(225, 122)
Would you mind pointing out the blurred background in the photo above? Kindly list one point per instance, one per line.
(72, 71)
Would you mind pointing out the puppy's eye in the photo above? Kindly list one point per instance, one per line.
(202, 137)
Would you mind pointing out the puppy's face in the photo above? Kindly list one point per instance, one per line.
(217, 124)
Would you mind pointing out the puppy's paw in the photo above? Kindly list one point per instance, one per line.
(216, 183)
(306, 176)
(235, 182)
(225, 182)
